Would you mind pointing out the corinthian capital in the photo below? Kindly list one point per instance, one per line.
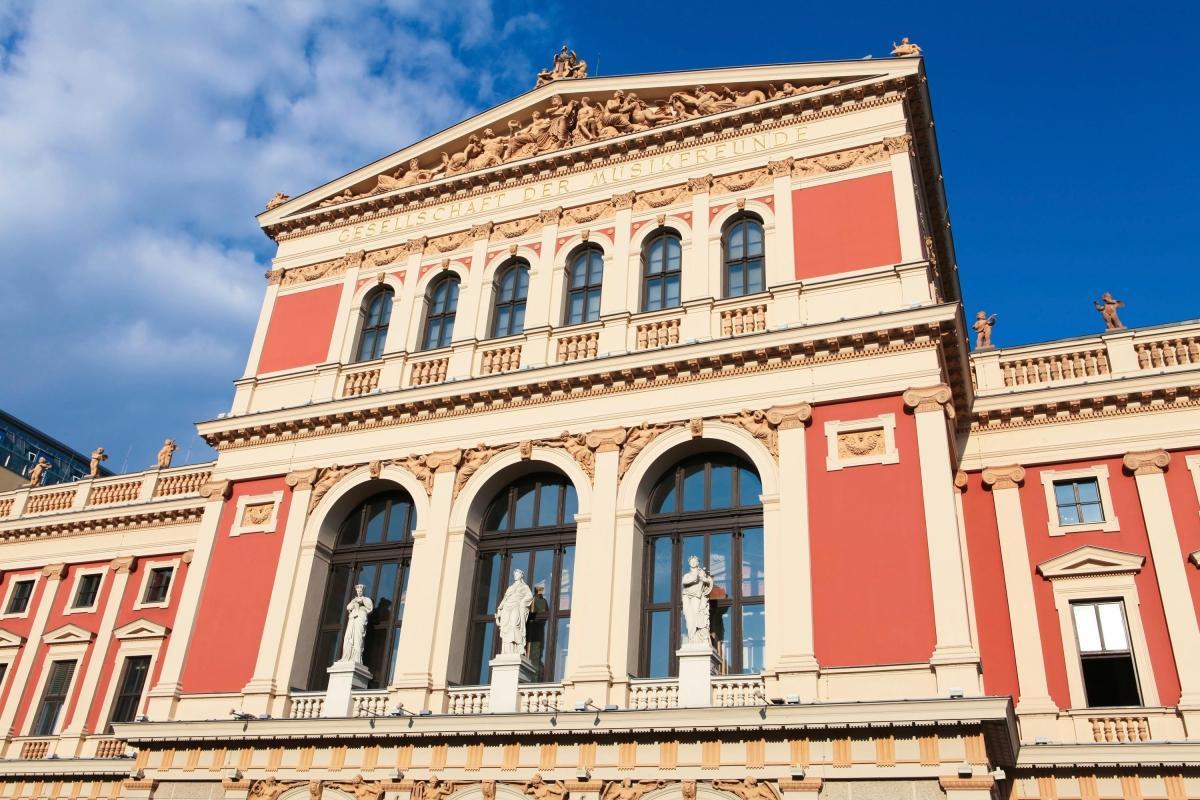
(1147, 462)
(929, 398)
(1006, 477)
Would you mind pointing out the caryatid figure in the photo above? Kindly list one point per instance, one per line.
(359, 609)
(697, 586)
(513, 613)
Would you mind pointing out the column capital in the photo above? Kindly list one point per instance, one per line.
(960, 481)
(444, 460)
(216, 490)
(606, 440)
(1005, 477)
(1146, 462)
(121, 565)
(793, 415)
(53, 572)
(929, 398)
(301, 478)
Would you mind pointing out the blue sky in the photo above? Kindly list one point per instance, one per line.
(138, 140)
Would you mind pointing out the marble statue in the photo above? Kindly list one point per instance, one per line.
(38, 473)
(513, 613)
(98, 455)
(164, 455)
(359, 608)
(1107, 306)
(747, 789)
(905, 48)
(983, 329)
(697, 586)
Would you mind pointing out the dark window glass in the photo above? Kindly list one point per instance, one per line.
(662, 270)
(585, 271)
(129, 690)
(54, 697)
(742, 248)
(377, 313)
(88, 589)
(512, 288)
(158, 585)
(18, 600)
(439, 320)
(1109, 674)
(706, 506)
(374, 548)
(1078, 501)
(530, 526)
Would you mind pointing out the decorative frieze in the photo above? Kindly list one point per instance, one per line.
(842, 160)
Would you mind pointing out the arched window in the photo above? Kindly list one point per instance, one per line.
(742, 255)
(374, 548)
(512, 287)
(439, 319)
(707, 506)
(529, 526)
(662, 259)
(377, 312)
(585, 271)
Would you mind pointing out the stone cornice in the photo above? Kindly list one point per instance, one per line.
(1005, 477)
(155, 519)
(1146, 462)
(1096, 407)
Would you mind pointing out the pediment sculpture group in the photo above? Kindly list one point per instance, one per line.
(536, 788)
(569, 123)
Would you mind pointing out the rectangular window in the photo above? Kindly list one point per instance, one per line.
(89, 588)
(129, 691)
(1109, 674)
(54, 697)
(158, 586)
(1078, 501)
(3, 672)
(18, 600)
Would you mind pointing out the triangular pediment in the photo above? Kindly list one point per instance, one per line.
(10, 639)
(141, 629)
(68, 634)
(1090, 560)
(567, 117)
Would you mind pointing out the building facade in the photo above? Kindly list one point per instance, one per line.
(609, 325)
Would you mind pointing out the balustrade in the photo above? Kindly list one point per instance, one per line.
(534, 697)
(306, 706)
(467, 700)
(103, 494)
(432, 371)
(46, 501)
(170, 485)
(1168, 353)
(35, 748)
(748, 319)
(110, 748)
(359, 383)
(1120, 729)
(1055, 367)
(656, 693)
(502, 359)
(369, 704)
(582, 345)
(734, 691)
(6, 506)
(659, 333)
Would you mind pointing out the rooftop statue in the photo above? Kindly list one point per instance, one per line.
(1107, 306)
(983, 329)
(164, 455)
(98, 455)
(38, 473)
(905, 48)
(566, 65)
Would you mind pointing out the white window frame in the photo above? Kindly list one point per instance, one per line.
(884, 422)
(238, 529)
(13, 578)
(147, 568)
(1095, 574)
(1100, 473)
(70, 607)
(137, 638)
(75, 647)
(10, 649)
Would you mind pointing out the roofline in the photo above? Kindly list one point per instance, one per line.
(6, 417)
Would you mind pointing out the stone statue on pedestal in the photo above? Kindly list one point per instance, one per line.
(359, 608)
(98, 455)
(164, 455)
(983, 329)
(1107, 305)
(697, 586)
(513, 613)
(38, 473)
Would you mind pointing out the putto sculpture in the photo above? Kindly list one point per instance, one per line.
(165, 454)
(983, 329)
(359, 609)
(38, 473)
(566, 65)
(905, 49)
(98, 456)
(513, 613)
(697, 586)
(1107, 306)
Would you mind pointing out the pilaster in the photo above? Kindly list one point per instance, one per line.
(344, 327)
(19, 681)
(905, 190)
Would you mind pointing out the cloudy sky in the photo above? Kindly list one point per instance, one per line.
(139, 139)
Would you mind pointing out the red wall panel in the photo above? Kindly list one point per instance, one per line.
(300, 329)
(845, 225)
(1181, 489)
(872, 593)
(233, 603)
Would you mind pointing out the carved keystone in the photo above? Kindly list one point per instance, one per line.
(1007, 477)
(1146, 462)
(929, 398)
(793, 415)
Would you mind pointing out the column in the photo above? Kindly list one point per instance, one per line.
(165, 694)
(697, 290)
(259, 692)
(618, 298)
(87, 689)
(20, 678)
(790, 653)
(784, 307)
(588, 668)
(955, 660)
(540, 312)
(343, 327)
(1147, 468)
(1018, 586)
(907, 218)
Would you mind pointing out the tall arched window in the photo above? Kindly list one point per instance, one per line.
(707, 506)
(439, 319)
(530, 526)
(374, 548)
(742, 255)
(377, 312)
(585, 272)
(512, 288)
(662, 260)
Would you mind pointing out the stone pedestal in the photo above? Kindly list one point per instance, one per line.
(697, 664)
(344, 677)
(508, 671)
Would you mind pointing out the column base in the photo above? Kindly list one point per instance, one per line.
(957, 669)
(697, 664)
(509, 671)
(345, 677)
(257, 696)
(161, 701)
(794, 676)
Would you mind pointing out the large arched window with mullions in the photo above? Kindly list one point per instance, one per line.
(530, 526)
(439, 319)
(374, 548)
(585, 273)
(662, 270)
(742, 256)
(376, 314)
(512, 289)
(707, 506)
